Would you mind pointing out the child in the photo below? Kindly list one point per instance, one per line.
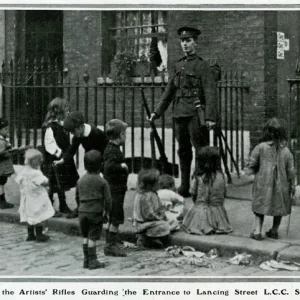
(64, 176)
(116, 174)
(272, 163)
(35, 205)
(90, 137)
(6, 166)
(208, 216)
(149, 215)
(94, 205)
(172, 201)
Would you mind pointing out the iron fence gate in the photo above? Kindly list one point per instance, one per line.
(27, 91)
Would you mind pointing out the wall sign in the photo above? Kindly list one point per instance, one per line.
(283, 44)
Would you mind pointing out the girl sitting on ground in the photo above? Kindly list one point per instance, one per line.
(35, 204)
(149, 216)
(208, 215)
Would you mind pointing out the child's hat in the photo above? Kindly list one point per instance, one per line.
(73, 120)
(3, 123)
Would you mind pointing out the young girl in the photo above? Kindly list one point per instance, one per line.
(172, 201)
(35, 205)
(63, 176)
(272, 163)
(208, 216)
(148, 213)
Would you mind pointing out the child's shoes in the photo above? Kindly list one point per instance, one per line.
(31, 236)
(272, 234)
(257, 237)
(40, 237)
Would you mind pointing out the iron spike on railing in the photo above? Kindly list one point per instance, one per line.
(18, 72)
(86, 76)
(77, 78)
(3, 66)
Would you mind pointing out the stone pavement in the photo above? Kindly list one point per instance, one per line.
(62, 256)
(239, 212)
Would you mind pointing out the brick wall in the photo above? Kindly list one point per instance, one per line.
(82, 42)
(240, 40)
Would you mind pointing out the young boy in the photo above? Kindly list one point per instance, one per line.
(116, 174)
(94, 199)
(90, 137)
(6, 166)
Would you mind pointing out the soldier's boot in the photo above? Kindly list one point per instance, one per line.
(184, 189)
(4, 204)
(40, 237)
(93, 263)
(63, 207)
(31, 236)
(112, 248)
(85, 256)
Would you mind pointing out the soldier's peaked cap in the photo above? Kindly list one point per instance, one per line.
(187, 32)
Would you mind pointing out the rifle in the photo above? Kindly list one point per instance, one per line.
(165, 166)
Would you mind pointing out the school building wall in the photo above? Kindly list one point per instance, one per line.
(244, 41)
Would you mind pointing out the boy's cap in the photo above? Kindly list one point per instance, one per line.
(3, 123)
(73, 120)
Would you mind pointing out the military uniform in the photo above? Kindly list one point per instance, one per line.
(192, 79)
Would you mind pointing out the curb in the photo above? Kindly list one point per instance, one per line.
(226, 245)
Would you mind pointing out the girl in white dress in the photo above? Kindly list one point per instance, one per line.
(35, 205)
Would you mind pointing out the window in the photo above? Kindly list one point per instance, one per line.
(142, 33)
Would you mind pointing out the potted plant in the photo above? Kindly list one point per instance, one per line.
(122, 66)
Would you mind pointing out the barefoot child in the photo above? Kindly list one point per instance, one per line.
(149, 216)
(35, 204)
(272, 163)
(208, 216)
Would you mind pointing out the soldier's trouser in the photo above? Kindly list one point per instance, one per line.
(189, 133)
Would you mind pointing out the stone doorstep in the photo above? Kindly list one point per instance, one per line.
(227, 245)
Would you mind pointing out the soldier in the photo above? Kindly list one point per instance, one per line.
(192, 80)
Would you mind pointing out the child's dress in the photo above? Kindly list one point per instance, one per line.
(208, 214)
(173, 204)
(149, 215)
(35, 205)
(274, 178)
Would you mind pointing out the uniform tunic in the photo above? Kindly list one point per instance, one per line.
(274, 178)
(191, 79)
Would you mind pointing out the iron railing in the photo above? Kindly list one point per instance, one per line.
(28, 89)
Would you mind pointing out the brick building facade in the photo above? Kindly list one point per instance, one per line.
(244, 41)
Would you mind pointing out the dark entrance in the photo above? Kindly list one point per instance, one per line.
(43, 52)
